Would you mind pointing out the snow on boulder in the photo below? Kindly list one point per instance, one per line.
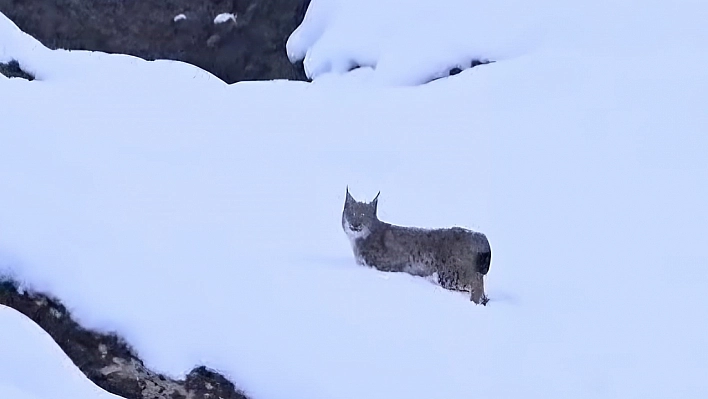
(412, 42)
(224, 17)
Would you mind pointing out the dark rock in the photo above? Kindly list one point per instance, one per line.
(108, 360)
(455, 71)
(475, 63)
(458, 69)
(12, 70)
(205, 383)
(250, 48)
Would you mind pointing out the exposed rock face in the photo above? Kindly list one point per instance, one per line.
(12, 70)
(107, 360)
(249, 47)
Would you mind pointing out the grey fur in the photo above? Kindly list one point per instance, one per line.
(460, 257)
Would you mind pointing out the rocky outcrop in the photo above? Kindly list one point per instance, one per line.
(251, 46)
(12, 70)
(109, 361)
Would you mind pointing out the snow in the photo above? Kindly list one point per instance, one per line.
(411, 42)
(224, 17)
(202, 221)
(33, 366)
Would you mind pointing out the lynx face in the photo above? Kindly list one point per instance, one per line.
(358, 218)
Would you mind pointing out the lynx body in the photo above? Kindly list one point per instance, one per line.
(459, 257)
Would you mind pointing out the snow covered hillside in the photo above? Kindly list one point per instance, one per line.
(202, 221)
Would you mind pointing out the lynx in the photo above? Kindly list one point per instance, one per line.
(459, 257)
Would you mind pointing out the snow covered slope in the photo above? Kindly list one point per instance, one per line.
(202, 221)
(32, 366)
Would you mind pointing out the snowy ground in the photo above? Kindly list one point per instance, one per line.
(33, 366)
(202, 221)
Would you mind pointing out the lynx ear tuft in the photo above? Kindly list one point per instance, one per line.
(349, 197)
(375, 202)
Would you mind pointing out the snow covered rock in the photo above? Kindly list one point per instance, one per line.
(176, 30)
(108, 360)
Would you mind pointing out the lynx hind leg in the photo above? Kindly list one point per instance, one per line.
(477, 294)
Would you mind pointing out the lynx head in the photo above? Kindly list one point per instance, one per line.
(359, 218)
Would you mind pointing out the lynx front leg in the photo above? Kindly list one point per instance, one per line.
(477, 290)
